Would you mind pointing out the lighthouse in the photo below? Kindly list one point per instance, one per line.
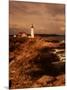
(32, 31)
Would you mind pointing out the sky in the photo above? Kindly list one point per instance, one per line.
(46, 18)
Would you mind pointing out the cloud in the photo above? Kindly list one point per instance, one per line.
(47, 18)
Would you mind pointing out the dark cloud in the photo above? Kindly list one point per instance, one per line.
(55, 8)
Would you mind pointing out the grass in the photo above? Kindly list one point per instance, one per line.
(34, 64)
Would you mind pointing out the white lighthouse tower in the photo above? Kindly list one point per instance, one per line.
(32, 31)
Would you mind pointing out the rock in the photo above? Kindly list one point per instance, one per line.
(43, 81)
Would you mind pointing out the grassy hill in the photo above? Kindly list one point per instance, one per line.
(31, 64)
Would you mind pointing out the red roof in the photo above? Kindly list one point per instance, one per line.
(22, 33)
